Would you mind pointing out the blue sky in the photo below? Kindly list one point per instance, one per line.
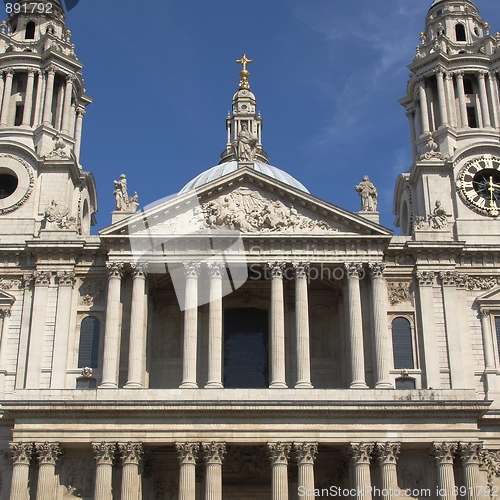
(327, 75)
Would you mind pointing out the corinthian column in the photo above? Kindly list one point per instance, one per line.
(187, 475)
(279, 453)
(387, 455)
(80, 113)
(111, 356)
(104, 456)
(21, 458)
(382, 345)
(216, 270)
(131, 454)
(306, 454)
(443, 453)
(354, 270)
(441, 96)
(48, 454)
(190, 325)
(424, 111)
(277, 327)
(137, 326)
(7, 91)
(302, 326)
(490, 371)
(450, 95)
(483, 97)
(28, 99)
(49, 95)
(461, 98)
(493, 93)
(470, 455)
(214, 455)
(67, 104)
(360, 454)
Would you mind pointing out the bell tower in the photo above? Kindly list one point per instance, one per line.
(43, 189)
(453, 109)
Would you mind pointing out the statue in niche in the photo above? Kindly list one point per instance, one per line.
(245, 144)
(124, 202)
(369, 195)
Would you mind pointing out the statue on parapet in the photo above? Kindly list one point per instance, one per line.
(369, 195)
(124, 202)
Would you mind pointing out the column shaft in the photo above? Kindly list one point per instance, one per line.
(277, 327)
(493, 98)
(485, 108)
(424, 111)
(302, 327)
(381, 333)
(355, 326)
(190, 326)
(63, 320)
(441, 97)
(22, 355)
(413, 133)
(461, 99)
(489, 351)
(49, 95)
(216, 270)
(5, 315)
(66, 118)
(450, 98)
(137, 327)
(7, 91)
(40, 95)
(111, 355)
(471, 458)
(80, 113)
(2, 84)
(28, 99)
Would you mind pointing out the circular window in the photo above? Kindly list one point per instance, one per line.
(8, 185)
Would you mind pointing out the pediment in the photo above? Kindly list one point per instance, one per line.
(6, 299)
(250, 203)
(490, 298)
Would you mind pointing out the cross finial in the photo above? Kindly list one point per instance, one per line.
(244, 73)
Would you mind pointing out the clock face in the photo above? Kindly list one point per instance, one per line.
(479, 185)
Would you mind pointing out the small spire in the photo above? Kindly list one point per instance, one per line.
(244, 73)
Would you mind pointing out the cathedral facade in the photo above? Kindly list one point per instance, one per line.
(246, 339)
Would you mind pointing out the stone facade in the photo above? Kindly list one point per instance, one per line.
(247, 340)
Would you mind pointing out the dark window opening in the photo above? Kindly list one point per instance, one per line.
(8, 184)
(439, 12)
(30, 30)
(18, 120)
(471, 117)
(86, 383)
(460, 33)
(402, 344)
(497, 328)
(21, 85)
(246, 364)
(405, 383)
(88, 351)
(468, 87)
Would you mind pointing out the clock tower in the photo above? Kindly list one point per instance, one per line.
(452, 190)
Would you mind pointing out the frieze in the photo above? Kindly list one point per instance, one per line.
(482, 282)
(398, 293)
(491, 460)
(452, 278)
(9, 284)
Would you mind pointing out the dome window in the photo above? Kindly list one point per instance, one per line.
(460, 33)
(30, 31)
(8, 185)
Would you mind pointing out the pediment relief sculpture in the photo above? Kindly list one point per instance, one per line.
(244, 210)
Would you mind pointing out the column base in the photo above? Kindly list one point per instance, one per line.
(108, 385)
(278, 385)
(304, 385)
(384, 385)
(188, 385)
(214, 385)
(358, 385)
(133, 385)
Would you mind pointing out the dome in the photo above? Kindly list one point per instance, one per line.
(226, 168)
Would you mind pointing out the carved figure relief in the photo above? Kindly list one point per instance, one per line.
(166, 490)
(398, 293)
(57, 217)
(59, 151)
(438, 219)
(91, 293)
(248, 461)
(80, 474)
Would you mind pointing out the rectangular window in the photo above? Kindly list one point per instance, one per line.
(19, 115)
(471, 117)
(497, 329)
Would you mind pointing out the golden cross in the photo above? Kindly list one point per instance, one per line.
(244, 61)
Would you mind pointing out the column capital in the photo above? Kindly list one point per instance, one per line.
(115, 269)
(81, 111)
(42, 278)
(48, 453)
(214, 452)
(448, 75)
(452, 278)
(70, 78)
(187, 452)
(9, 72)
(139, 269)
(439, 71)
(31, 72)
(216, 269)
(471, 453)
(130, 453)
(104, 453)
(277, 269)
(444, 452)
(21, 453)
(361, 452)
(5, 313)
(26, 280)
(354, 269)
(459, 74)
(66, 278)
(279, 452)
(376, 269)
(301, 269)
(482, 73)
(192, 269)
(387, 453)
(305, 452)
(484, 312)
(50, 69)
(425, 278)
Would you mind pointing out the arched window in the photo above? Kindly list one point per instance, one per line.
(30, 30)
(88, 351)
(402, 345)
(460, 33)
